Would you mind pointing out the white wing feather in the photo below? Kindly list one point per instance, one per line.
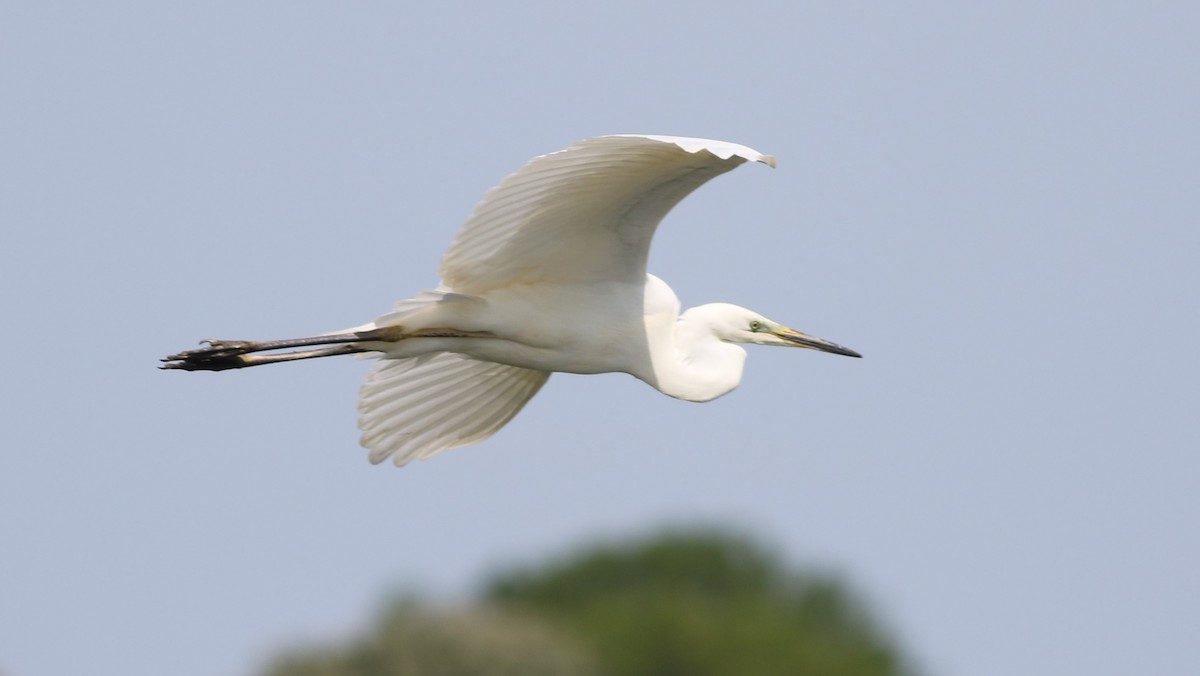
(414, 408)
(584, 214)
(581, 215)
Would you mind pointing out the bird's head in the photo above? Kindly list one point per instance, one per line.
(735, 324)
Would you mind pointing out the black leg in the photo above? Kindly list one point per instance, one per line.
(206, 360)
(220, 355)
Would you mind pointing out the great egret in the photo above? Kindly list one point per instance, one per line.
(548, 274)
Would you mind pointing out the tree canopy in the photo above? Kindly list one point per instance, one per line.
(686, 603)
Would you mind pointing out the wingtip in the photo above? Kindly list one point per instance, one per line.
(722, 149)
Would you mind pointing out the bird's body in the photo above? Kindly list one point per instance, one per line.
(522, 333)
(634, 329)
(549, 274)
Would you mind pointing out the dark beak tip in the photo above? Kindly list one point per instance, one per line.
(834, 348)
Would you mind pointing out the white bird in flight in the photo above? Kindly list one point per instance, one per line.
(548, 274)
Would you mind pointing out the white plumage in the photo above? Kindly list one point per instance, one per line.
(413, 408)
(548, 274)
(583, 214)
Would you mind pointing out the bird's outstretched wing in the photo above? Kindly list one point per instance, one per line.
(413, 408)
(584, 214)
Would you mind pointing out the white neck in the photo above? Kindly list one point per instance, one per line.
(691, 363)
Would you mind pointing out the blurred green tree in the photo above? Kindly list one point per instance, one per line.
(702, 603)
(683, 603)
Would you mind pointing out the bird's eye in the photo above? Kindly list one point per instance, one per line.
(755, 325)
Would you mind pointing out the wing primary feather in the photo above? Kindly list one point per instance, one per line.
(385, 402)
(415, 408)
(438, 437)
(556, 219)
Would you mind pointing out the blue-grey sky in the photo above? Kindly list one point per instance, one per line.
(997, 205)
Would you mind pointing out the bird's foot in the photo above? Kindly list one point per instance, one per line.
(217, 355)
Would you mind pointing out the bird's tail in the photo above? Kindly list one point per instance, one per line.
(429, 300)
